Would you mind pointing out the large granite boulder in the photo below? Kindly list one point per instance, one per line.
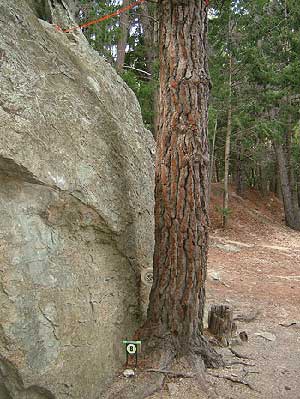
(76, 223)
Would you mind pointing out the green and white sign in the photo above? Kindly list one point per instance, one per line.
(132, 349)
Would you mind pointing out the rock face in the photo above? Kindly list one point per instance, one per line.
(76, 224)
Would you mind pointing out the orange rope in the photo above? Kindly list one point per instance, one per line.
(105, 17)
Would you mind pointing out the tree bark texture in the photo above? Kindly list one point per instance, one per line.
(181, 194)
(220, 322)
(122, 42)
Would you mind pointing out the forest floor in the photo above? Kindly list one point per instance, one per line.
(254, 267)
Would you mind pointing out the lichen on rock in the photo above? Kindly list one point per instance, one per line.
(76, 200)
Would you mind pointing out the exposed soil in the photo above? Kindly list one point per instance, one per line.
(254, 267)
(263, 276)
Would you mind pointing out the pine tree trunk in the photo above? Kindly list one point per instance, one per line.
(227, 150)
(263, 182)
(181, 212)
(122, 42)
(239, 181)
(229, 122)
(291, 210)
(212, 159)
(149, 23)
(217, 170)
(291, 170)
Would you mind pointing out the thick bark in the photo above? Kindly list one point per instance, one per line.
(220, 322)
(291, 210)
(181, 212)
(122, 42)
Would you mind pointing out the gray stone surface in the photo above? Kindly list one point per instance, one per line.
(76, 204)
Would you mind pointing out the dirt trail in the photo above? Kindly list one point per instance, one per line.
(243, 244)
(263, 278)
(254, 267)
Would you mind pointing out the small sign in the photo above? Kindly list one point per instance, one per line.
(132, 349)
(147, 276)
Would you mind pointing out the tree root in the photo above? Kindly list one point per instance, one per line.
(173, 374)
(242, 363)
(234, 379)
(138, 387)
(211, 358)
(144, 384)
(156, 363)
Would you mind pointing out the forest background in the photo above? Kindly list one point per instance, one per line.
(254, 64)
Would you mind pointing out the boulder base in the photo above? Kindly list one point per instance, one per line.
(76, 204)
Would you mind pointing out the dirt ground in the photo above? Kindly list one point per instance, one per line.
(254, 267)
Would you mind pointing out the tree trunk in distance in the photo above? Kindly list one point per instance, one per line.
(177, 297)
(122, 42)
(262, 181)
(212, 160)
(278, 187)
(239, 181)
(292, 213)
(149, 23)
(291, 169)
(227, 149)
(217, 171)
(229, 122)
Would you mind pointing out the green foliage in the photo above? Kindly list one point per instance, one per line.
(104, 37)
(265, 45)
(145, 92)
(224, 212)
(263, 38)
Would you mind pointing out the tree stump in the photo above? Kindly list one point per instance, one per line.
(220, 322)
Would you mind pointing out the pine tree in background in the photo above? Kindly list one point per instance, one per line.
(257, 111)
(264, 97)
(128, 42)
